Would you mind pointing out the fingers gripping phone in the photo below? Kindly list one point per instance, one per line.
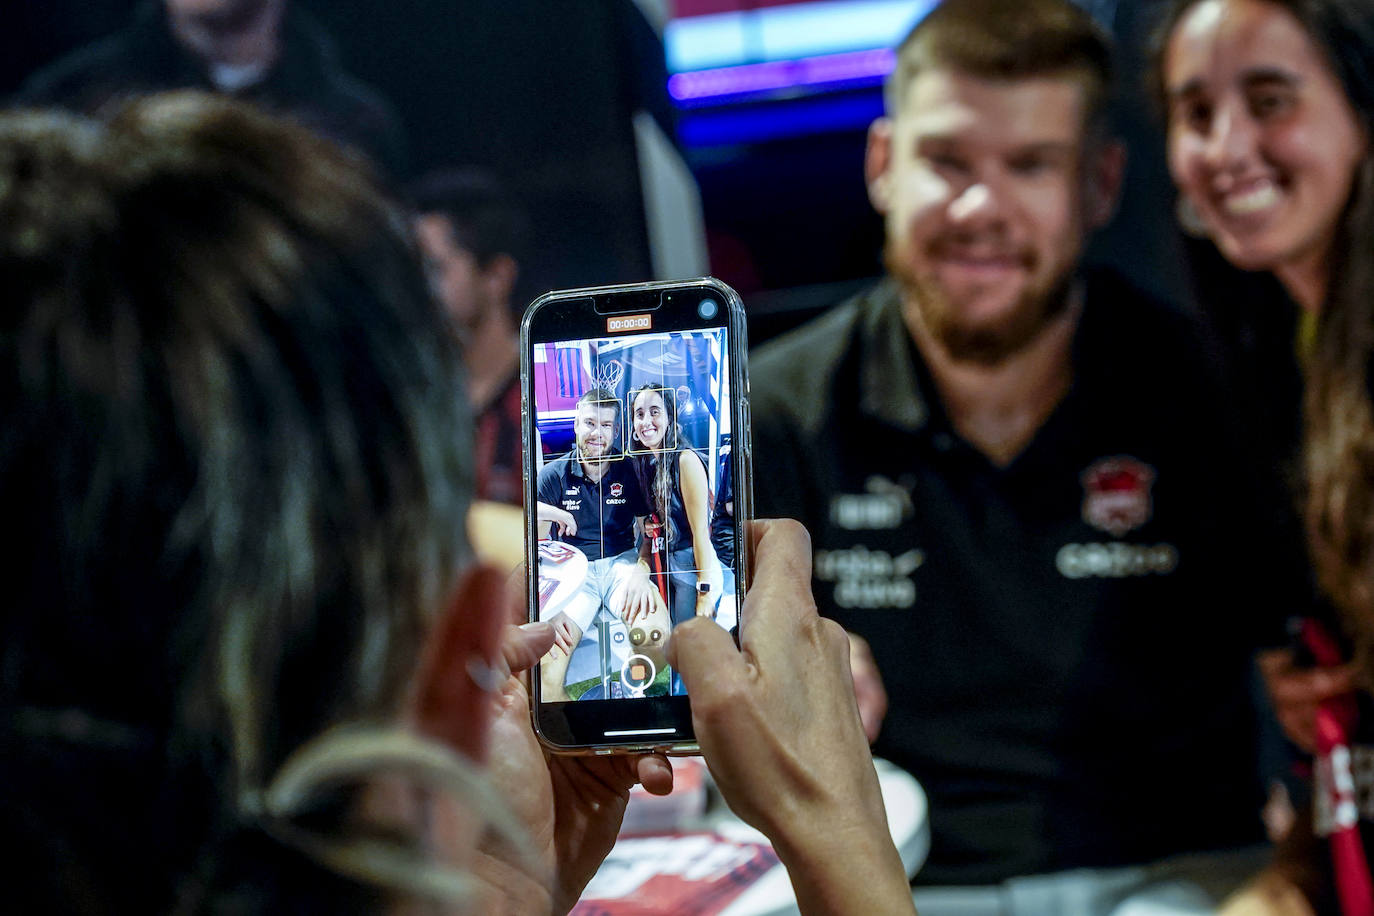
(637, 492)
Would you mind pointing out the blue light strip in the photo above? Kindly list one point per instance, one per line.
(788, 32)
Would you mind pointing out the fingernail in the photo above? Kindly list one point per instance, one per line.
(488, 677)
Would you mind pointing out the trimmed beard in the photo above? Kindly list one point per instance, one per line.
(989, 344)
(606, 455)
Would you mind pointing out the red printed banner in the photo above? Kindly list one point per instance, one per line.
(698, 873)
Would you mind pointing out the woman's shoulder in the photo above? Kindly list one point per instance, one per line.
(692, 455)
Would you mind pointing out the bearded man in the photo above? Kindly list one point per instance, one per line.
(1023, 495)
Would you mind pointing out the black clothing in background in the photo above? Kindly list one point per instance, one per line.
(306, 83)
(1066, 640)
(723, 513)
(496, 437)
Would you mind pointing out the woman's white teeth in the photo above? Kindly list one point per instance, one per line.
(1253, 200)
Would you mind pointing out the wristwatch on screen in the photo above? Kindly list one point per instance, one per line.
(703, 588)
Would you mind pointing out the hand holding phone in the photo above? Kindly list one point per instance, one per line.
(636, 420)
(575, 804)
(780, 729)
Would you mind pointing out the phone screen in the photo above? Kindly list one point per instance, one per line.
(633, 432)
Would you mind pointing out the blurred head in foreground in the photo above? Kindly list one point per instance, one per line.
(236, 477)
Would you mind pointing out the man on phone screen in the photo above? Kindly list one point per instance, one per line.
(589, 500)
(1022, 492)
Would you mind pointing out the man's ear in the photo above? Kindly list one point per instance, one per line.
(461, 665)
(878, 164)
(1105, 171)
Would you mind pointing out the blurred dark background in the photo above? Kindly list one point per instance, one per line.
(558, 98)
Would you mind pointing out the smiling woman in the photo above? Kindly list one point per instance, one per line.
(1269, 110)
(1262, 139)
(673, 480)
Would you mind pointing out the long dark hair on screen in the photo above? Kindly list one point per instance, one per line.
(657, 472)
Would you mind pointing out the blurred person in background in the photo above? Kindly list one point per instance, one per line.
(267, 52)
(472, 235)
(248, 663)
(1024, 495)
(723, 513)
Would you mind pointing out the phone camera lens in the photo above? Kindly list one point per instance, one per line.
(707, 309)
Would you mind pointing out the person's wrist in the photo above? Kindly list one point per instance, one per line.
(846, 869)
(818, 835)
(833, 822)
(562, 902)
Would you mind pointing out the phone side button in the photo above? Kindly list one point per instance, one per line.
(603, 751)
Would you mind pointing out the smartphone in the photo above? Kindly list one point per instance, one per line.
(637, 470)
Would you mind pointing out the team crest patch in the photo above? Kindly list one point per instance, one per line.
(617, 489)
(1116, 494)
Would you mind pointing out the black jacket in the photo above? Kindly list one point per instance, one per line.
(307, 82)
(1065, 640)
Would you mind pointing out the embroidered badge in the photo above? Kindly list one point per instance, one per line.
(617, 489)
(1116, 494)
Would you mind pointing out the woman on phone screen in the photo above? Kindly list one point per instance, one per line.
(673, 479)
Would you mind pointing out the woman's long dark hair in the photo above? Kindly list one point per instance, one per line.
(656, 473)
(1339, 420)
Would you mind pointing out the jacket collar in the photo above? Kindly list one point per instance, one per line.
(893, 385)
